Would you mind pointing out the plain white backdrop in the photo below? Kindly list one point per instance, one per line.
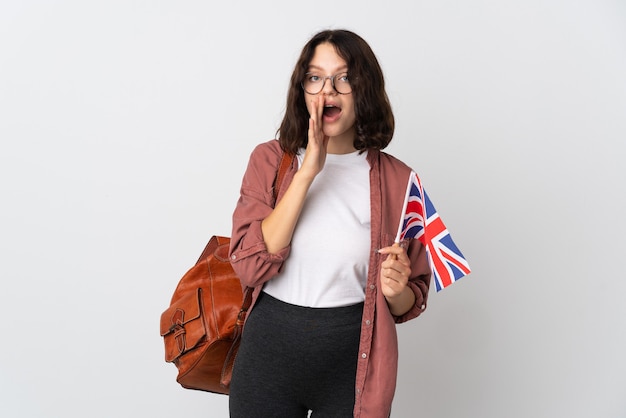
(125, 128)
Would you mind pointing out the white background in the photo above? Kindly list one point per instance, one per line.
(125, 128)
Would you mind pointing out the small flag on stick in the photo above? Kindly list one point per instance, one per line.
(421, 221)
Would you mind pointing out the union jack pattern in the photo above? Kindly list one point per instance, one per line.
(421, 221)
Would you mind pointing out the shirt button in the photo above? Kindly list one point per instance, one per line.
(372, 286)
(364, 355)
(367, 322)
(423, 306)
(233, 257)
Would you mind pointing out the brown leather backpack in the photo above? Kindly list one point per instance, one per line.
(202, 327)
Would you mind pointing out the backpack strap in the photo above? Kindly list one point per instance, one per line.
(285, 163)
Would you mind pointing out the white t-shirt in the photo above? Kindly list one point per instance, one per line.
(328, 262)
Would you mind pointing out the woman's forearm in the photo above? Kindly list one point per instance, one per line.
(279, 225)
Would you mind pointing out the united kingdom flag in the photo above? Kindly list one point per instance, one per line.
(421, 221)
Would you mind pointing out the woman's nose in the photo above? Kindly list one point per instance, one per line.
(328, 87)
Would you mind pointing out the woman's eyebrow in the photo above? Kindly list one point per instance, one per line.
(339, 69)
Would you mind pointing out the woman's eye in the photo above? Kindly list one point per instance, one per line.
(314, 78)
(343, 78)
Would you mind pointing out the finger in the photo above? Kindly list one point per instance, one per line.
(391, 286)
(396, 270)
(319, 115)
(316, 110)
(403, 257)
(392, 275)
(313, 119)
(311, 106)
(313, 133)
(312, 128)
(399, 272)
(392, 250)
(320, 109)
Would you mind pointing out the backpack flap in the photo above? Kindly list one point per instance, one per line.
(183, 326)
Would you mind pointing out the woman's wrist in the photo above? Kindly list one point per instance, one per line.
(402, 303)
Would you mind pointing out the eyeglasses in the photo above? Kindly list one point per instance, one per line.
(314, 83)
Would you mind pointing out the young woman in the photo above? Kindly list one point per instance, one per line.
(329, 283)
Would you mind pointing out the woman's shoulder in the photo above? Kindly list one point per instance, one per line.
(263, 161)
(391, 164)
(267, 149)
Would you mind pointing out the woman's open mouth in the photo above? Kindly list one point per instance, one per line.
(331, 113)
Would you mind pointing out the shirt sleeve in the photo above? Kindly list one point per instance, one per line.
(248, 253)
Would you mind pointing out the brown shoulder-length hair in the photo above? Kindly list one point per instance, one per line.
(374, 119)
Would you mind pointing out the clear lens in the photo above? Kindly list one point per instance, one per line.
(342, 84)
(313, 83)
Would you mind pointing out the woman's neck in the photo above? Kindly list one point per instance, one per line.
(341, 145)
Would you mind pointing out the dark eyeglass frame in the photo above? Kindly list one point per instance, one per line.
(323, 82)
